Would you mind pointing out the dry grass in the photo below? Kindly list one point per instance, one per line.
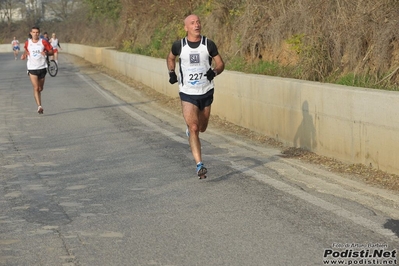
(362, 172)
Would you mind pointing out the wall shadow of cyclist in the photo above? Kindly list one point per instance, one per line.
(305, 136)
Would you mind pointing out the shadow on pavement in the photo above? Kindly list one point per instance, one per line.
(392, 225)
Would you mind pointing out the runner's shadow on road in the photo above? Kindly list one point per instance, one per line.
(246, 166)
(392, 225)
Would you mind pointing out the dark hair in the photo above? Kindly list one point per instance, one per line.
(45, 32)
(36, 28)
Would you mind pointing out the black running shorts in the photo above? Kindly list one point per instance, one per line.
(40, 73)
(201, 101)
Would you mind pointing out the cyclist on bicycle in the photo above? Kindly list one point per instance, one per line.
(36, 50)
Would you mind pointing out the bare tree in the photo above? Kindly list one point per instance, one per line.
(33, 11)
(61, 9)
(6, 8)
(10, 12)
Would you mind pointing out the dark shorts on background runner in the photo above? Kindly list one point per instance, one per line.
(40, 73)
(201, 101)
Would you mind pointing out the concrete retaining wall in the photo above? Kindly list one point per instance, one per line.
(351, 124)
(7, 48)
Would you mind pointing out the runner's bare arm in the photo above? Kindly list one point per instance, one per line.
(219, 64)
(171, 62)
(26, 52)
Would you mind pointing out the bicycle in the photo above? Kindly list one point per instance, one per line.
(52, 67)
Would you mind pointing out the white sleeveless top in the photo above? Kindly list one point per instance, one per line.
(194, 63)
(54, 43)
(35, 59)
(15, 43)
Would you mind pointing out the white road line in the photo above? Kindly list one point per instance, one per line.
(337, 210)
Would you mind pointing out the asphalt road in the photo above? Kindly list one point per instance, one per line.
(105, 180)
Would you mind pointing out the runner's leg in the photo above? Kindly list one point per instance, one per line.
(56, 57)
(37, 85)
(191, 117)
(203, 117)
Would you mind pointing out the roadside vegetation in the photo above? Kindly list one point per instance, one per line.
(348, 42)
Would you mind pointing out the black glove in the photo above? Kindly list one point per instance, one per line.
(210, 74)
(172, 77)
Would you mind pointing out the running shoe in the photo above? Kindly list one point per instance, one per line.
(201, 171)
(40, 109)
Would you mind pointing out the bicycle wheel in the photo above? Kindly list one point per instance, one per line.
(52, 68)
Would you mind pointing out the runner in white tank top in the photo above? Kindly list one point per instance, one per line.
(196, 86)
(56, 45)
(35, 51)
